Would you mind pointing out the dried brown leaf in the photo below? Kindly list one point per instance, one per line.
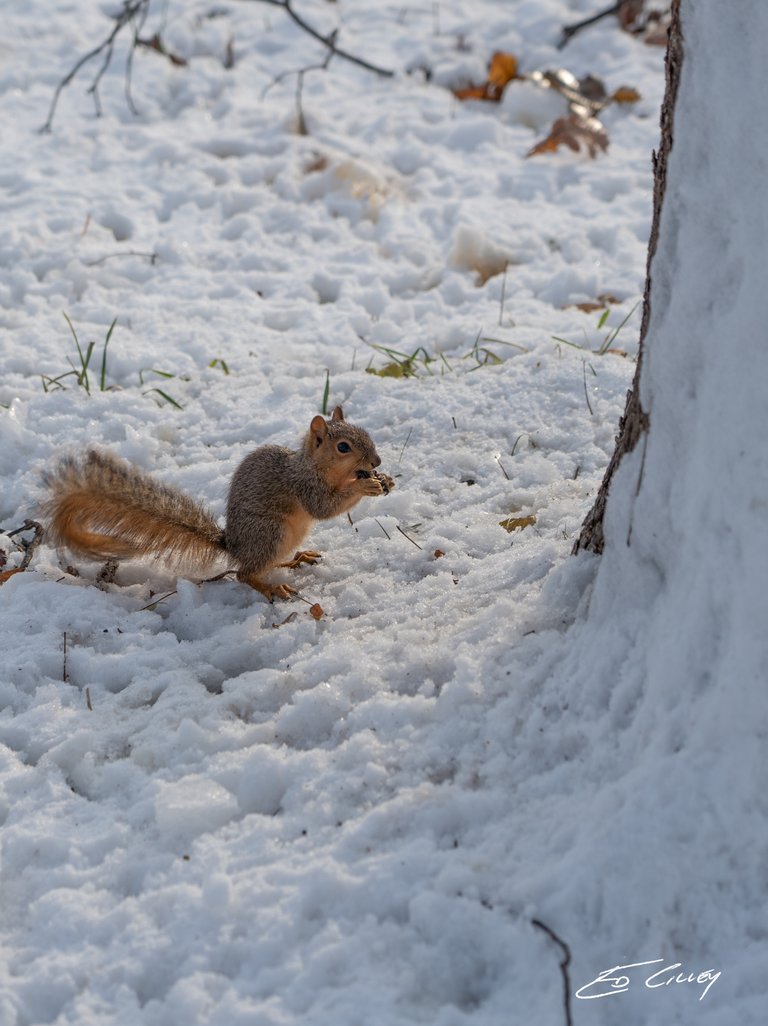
(438, 553)
(591, 305)
(317, 611)
(7, 574)
(502, 70)
(289, 619)
(473, 93)
(628, 14)
(517, 523)
(575, 132)
(592, 88)
(625, 94)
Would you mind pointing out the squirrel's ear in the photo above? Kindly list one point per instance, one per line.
(319, 429)
(338, 414)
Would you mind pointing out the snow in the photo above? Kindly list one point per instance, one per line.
(214, 813)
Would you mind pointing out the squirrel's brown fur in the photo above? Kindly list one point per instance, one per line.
(103, 508)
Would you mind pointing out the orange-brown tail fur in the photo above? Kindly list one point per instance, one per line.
(102, 508)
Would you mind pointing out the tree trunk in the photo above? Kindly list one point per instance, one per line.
(634, 423)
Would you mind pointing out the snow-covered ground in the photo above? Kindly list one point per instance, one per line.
(212, 814)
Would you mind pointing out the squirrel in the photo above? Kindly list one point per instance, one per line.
(103, 508)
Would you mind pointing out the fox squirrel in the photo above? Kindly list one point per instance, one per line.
(101, 508)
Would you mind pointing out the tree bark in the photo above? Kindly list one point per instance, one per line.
(634, 422)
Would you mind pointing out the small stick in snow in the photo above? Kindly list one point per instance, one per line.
(64, 674)
(327, 41)
(386, 532)
(563, 965)
(503, 294)
(132, 9)
(407, 440)
(568, 31)
(407, 536)
(30, 546)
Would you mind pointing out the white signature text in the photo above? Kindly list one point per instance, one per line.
(616, 981)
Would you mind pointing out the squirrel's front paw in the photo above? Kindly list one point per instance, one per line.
(386, 482)
(369, 486)
(371, 482)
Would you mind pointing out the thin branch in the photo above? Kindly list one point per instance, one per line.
(327, 41)
(569, 31)
(64, 673)
(563, 967)
(152, 257)
(407, 536)
(131, 9)
(28, 546)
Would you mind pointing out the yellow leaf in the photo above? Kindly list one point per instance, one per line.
(626, 95)
(502, 70)
(517, 523)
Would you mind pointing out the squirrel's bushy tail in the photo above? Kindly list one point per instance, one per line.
(102, 508)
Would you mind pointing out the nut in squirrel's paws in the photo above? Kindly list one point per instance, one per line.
(384, 482)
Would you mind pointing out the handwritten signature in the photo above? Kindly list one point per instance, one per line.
(615, 981)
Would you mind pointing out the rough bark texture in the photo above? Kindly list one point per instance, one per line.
(634, 423)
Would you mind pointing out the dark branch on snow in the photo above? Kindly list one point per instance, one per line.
(327, 41)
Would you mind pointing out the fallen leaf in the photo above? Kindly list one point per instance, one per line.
(502, 70)
(628, 13)
(317, 611)
(390, 370)
(7, 574)
(517, 523)
(625, 94)
(592, 88)
(591, 305)
(438, 553)
(575, 132)
(472, 93)
(289, 619)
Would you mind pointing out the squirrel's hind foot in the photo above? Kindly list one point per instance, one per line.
(269, 591)
(309, 557)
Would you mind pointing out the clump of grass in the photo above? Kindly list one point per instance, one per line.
(326, 393)
(421, 361)
(85, 377)
(406, 365)
(607, 345)
(81, 373)
(155, 391)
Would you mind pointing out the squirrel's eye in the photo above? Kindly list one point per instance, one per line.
(344, 447)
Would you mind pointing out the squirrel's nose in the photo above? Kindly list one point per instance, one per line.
(376, 461)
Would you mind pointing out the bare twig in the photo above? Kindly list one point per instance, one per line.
(569, 31)
(28, 546)
(152, 257)
(327, 41)
(563, 966)
(64, 674)
(386, 532)
(88, 699)
(407, 440)
(503, 294)
(132, 9)
(407, 536)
